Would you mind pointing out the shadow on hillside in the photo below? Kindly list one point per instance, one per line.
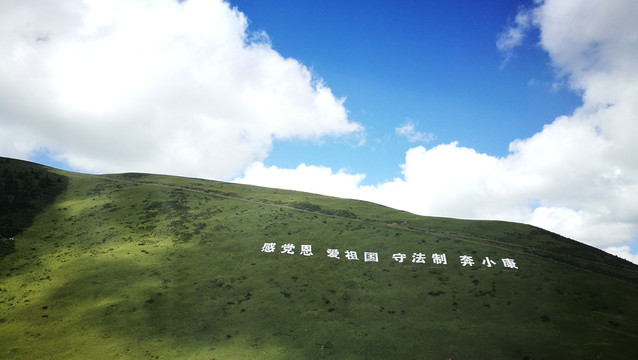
(25, 189)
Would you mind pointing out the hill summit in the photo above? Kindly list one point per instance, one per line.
(141, 266)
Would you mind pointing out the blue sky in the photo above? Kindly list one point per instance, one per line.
(433, 63)
(511, 110)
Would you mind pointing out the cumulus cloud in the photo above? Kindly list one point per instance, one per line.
(159, 86)
(409, 131)
(579, 175)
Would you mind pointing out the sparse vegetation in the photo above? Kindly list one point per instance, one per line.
(138, 266)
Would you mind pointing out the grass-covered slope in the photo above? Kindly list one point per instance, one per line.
(25, 189)
(139, 266)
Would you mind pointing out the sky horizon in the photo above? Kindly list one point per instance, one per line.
(520, 111)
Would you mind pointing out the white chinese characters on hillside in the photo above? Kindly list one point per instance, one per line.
(416, 258)
(439, 259)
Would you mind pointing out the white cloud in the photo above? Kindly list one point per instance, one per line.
(157, 86)
(578, 176)
(317, 179)
(514, 35)
(409, 131)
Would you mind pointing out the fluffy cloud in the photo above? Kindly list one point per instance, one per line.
(157, 86)
(577, 177)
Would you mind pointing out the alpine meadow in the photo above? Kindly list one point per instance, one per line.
(141, 266)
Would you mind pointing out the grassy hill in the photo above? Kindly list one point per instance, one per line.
(136, 266)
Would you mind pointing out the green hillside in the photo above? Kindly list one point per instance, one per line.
(135, 266)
